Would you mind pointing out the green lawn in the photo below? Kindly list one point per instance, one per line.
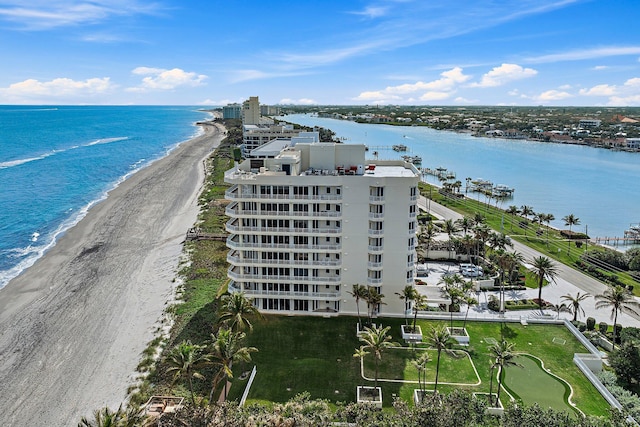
(524, 383)
(299, 354)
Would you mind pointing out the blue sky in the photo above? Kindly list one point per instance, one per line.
(414, 52)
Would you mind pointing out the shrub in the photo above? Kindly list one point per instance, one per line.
(493, 303)
(582, 327)
(603, 327)
(616, 333)
(591, 323)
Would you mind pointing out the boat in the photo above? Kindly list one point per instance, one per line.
(416, 160)
(399, 147)
(502, 190)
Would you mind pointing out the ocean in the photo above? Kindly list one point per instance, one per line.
(57, 162)
(599, 186)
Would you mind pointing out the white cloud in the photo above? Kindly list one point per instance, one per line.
(439, 89)
(301, 101)
(600, 67)
(462, 100)
(162, 79)
(634, 82)
(599, 90)
(56, 89)
(503, 74)
(44, 15)
(552, 95)
(372, 12)
(577, 55)
(434, 96)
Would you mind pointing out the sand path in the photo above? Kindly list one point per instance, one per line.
(73, 326)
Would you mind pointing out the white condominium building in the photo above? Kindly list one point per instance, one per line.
(315, 220)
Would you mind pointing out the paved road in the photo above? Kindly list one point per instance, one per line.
(568, 281)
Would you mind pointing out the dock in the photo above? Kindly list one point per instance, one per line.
(616, 240)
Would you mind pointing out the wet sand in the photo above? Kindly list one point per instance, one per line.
(73, 326)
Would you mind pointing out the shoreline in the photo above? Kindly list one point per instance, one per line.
(74, 324)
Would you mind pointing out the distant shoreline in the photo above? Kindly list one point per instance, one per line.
(73, 325)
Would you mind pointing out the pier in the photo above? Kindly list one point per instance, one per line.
(616, 240)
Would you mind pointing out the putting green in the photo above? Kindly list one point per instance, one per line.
(532, 384)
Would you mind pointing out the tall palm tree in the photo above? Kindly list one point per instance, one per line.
(420, 363)
(419, 303)
(570, 220)
(449, 227)
(225, 349)
(373, 299)
(499, 241)
(620, 300)
(543, 269)
(465, 223)
(408, 294)
(237, 311)
(184, 360)
(470, 301)
(359, 292)
(376, 341)
(513, 211)
(574, 303)
(467, 242)
(441, 340)
(525, 211)
(503, 357)
(427, 234)
(481, 232)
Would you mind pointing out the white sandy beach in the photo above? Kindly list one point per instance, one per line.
(73, 326)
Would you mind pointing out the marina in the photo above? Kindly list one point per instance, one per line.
(594, 184)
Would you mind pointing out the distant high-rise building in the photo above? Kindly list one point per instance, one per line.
(232, 111)
(251, 111)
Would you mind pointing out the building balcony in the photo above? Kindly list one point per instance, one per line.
(237, 245)
(373, 215)
(376, 199)
(236, 287)
(234, 228)
(280, 279)
(235, 194)
(376, 232)
(413, 198)
(235, 211)
(375, 248)
(374, 264)
(374, 281)
(236, 260)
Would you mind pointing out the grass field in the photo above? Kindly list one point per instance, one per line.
(299, 354)
(524, 384)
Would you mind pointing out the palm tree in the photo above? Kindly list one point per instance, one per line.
(465, 223)
(419, 303)
(441, 340)
(376, 341)
(420, 363)
(450, 228)
(454, 289)
(570, 220)
(184, 360)
(525, 211)
(560, 308)
(574, 303)
(467, 242)
(543, 269)
(513, 211)
(225, 349)
(373, 299)
(408, 294)
(481, 232)
(426, 236)
(359, 292)
(470, 301)
(620, 300)
(105, 417)
(503, 356)
(499, 241)
(237, 311)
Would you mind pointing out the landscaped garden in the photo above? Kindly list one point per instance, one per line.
(298, 354)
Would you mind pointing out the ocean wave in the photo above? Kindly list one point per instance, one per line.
(105, 141)
(18, 162)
